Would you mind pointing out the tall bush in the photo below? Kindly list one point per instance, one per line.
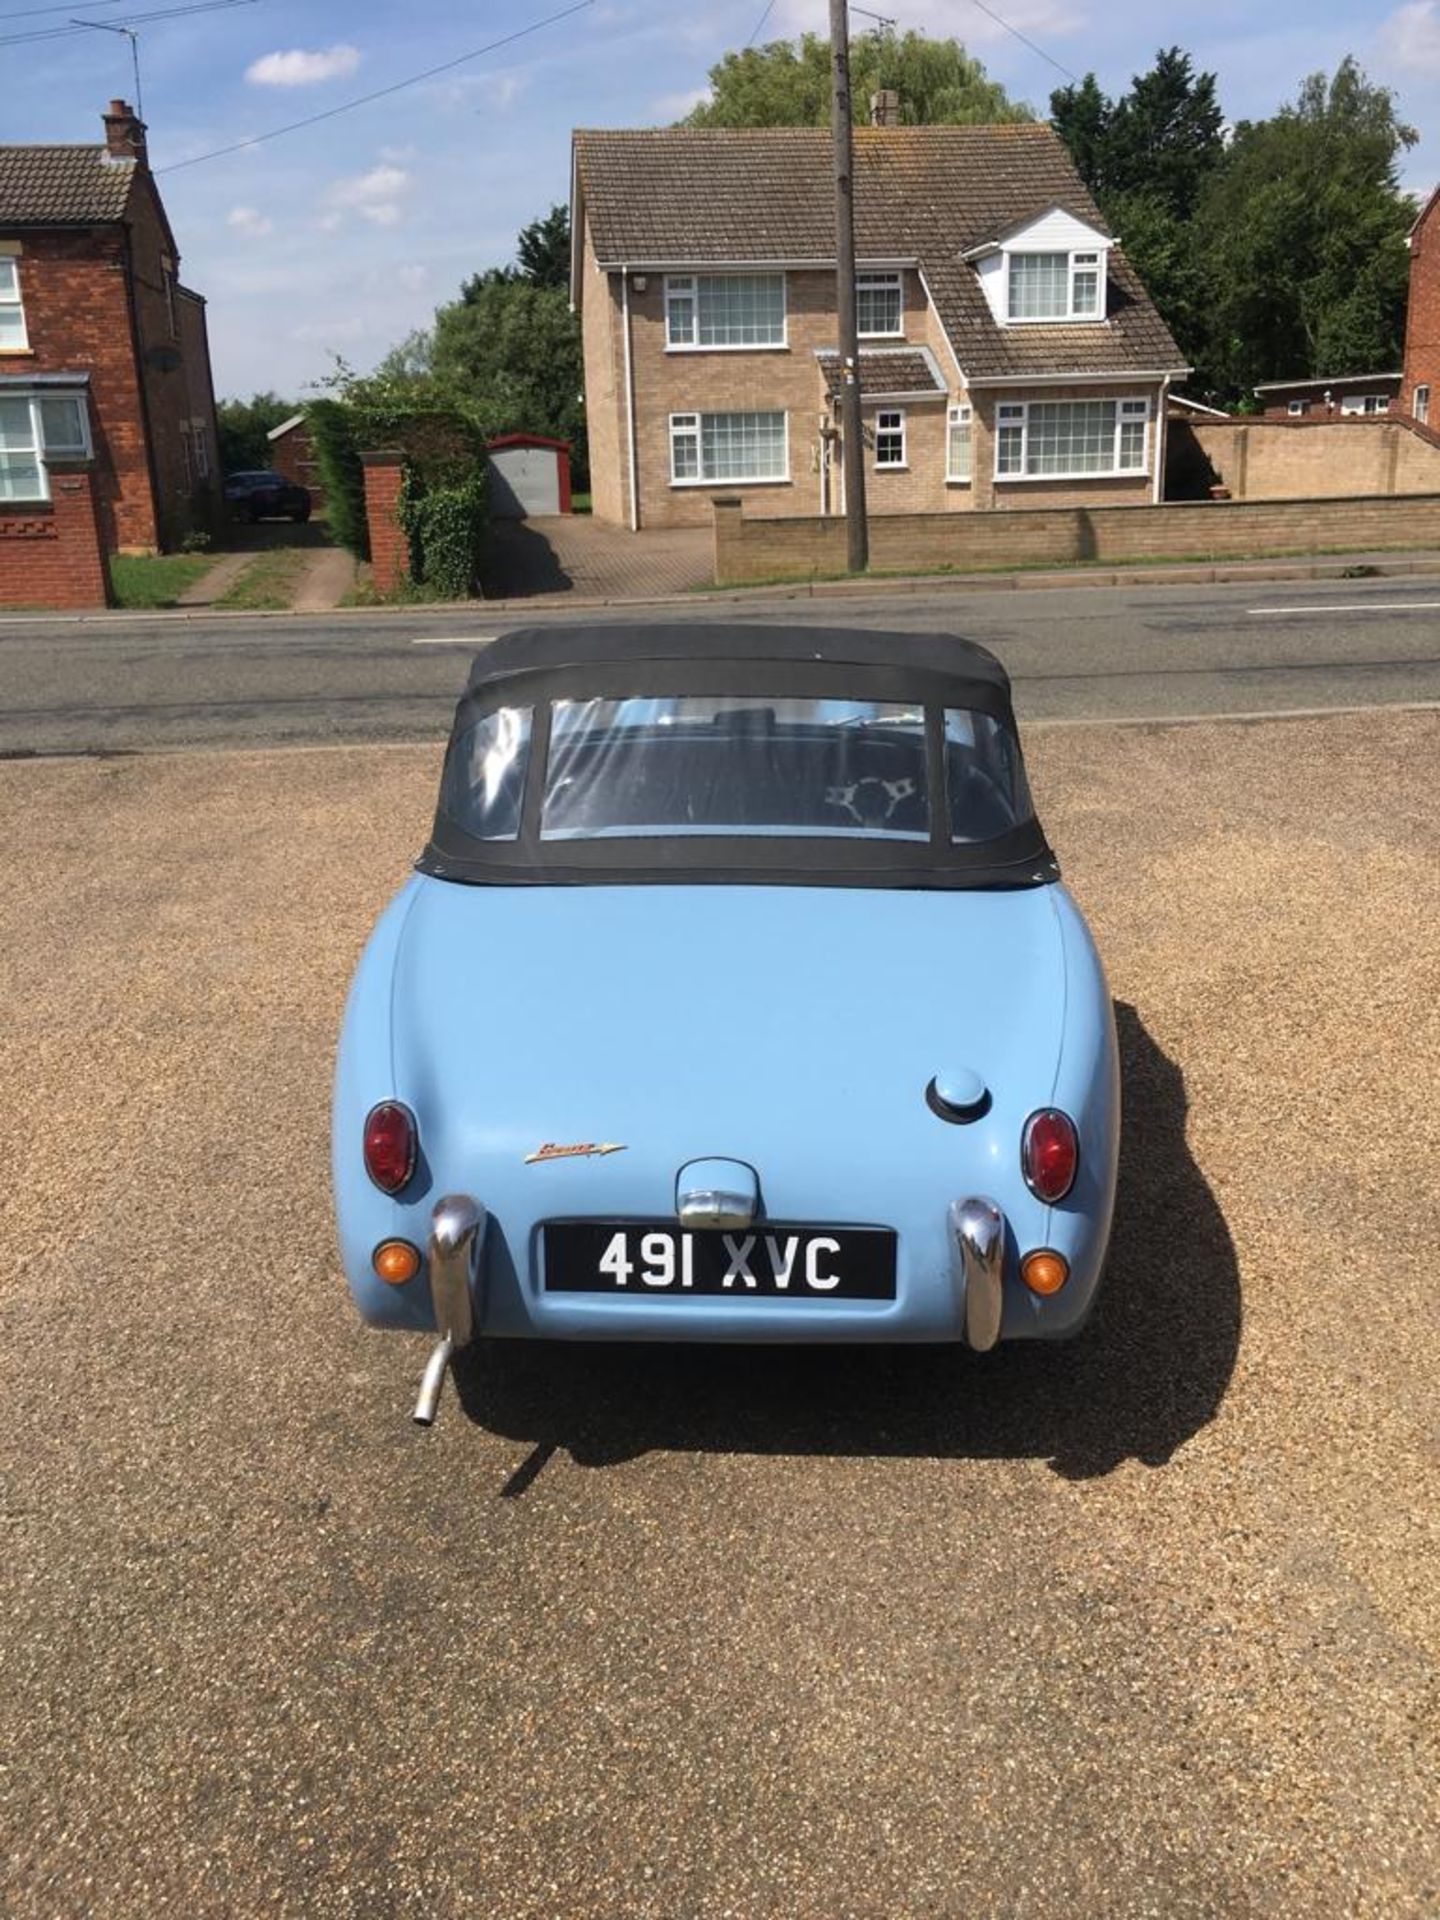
(447, 527)
(333, 436)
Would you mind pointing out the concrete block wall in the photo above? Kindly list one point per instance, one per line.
(54, 555)
(753, 549)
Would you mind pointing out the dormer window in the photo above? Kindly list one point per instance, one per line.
(1055, 286)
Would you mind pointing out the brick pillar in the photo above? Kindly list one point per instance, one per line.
(77, 527)
(389, 549)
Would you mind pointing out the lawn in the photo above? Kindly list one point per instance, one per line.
(155, 579)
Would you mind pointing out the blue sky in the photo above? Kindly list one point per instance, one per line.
(343, 237)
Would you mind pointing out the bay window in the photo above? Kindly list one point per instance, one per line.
(1055, 286)
(1080, 439)
(959, 445)
(719, 310)
(31, 426)
(878, 305)
(13, 337)
(708, 448)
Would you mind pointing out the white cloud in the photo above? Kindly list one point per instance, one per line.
(375, 196)
(249, 221)
(298, 68)
(675, 106)
(412, 278)
(399, 154)
(1411, 37)
(501, 90)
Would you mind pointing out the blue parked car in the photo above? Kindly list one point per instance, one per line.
(735, 998)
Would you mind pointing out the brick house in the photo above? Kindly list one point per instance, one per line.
(1346, 395)
(1422, 318)
(1009, 356)
(103, 351)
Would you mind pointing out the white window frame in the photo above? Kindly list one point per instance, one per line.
(687, 426)
(82, 450)
(897, 430)
(961, 415)
(15, 302)
(1420, 403)
(1297, 409)
(680, 287)
(1013, 414)
(872, 281)
(1077, 260)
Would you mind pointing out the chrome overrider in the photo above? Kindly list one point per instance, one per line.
(457, 1233)
(978, 1230)
(709, 1207)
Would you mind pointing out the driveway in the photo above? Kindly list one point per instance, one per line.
(578, 555)
(316, 581)
(1142, 1626)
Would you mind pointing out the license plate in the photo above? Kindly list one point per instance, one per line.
(785, 1263)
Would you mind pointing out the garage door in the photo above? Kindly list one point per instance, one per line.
(524, 481)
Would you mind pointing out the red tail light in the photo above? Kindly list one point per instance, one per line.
(1049, 1154)
(390, 1145)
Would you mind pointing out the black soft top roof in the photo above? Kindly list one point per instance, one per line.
(697, 658)
(533, 666)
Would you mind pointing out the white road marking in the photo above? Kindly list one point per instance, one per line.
(452, 639)
(1360, 606)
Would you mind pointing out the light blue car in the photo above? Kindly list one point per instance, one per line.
(735, 997)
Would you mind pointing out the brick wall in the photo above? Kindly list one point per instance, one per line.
(1422, 315)
(293, 454)
(605, 424)
(54, 555)
(1306, 459)
(748, 549)
(389, 549)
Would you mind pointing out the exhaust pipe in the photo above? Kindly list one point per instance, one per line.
(457, 1232)
(427, 1401)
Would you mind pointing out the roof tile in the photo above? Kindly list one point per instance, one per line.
(62, 186)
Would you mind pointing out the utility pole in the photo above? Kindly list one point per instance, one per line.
(857, 535)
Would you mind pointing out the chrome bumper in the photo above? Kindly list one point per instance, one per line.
(977, 1231)
(457, 1233)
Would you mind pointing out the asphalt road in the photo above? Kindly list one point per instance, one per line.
(1141, 1628)
(133, 682)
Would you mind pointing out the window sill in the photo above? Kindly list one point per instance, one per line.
(1062, 479)
(769, 480)
(898, 334)
(1055, 320)
(17, 353)
(958, 483)
(758, 346)
(891, 466)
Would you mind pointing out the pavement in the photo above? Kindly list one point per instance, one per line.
(577, 556)
(1143, 1626)
(125, 683)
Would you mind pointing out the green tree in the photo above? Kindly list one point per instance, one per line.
(787, 84)
(510, 352)
(1302, 236)
(243, 425)
(543, 249)
(1147, 158)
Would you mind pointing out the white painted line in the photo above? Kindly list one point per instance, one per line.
(453, 639)
(1244, 716)
(1360, 606)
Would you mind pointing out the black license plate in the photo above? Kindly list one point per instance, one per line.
(783, 1263)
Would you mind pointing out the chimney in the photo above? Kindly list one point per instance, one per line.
(885, 108)
(124, 134)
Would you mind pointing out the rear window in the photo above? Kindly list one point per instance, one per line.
(698, 764)
(692, 765)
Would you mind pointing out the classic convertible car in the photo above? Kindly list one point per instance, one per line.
(735, 997)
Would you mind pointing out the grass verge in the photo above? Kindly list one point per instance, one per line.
(155, 579)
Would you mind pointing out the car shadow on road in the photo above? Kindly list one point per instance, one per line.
(1149, 1371)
